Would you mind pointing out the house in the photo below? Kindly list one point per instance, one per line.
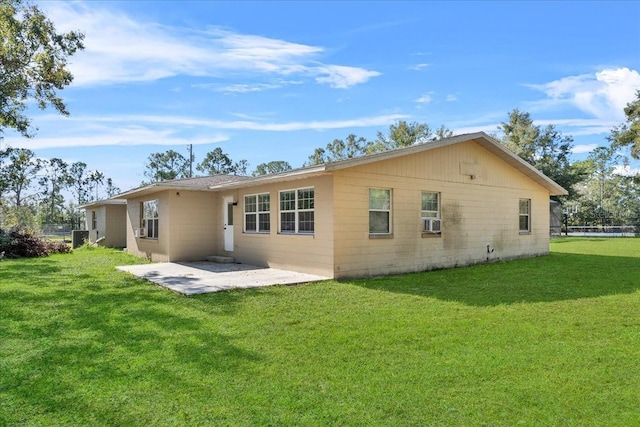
(106, 221)
(453, 202)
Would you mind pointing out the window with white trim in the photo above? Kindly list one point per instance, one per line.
(525, 216)
(94, 220)
(379, 211)
(257, 213)
(297, 211)
(430, 211)
(150, 218)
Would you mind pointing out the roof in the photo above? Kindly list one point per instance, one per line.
(194, 184)
(481, 138)
(105, 202)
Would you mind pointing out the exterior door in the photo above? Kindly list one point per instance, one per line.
(227, 214)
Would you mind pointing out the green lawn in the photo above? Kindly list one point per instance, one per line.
(551, 341)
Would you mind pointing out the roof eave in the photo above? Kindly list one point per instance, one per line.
(106, 202)
(272, 178)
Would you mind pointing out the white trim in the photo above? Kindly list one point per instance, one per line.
(390, 211)
(296, 211)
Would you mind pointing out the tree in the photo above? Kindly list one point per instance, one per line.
(112, 190)
(602, 161)
(4, 154)
(240, 168)
(166, 166)
(79, 182)
(628, 134)
(404, 134)
(545, 149)
(401, 134)
(20, 171)
(53, 182)
(33, 63)
(217, 162)
(275, 166)
(96, 178)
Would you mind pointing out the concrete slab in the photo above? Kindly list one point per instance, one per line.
(192, 278)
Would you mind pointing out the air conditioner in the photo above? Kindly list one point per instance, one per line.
(431, 225)
(140, 232)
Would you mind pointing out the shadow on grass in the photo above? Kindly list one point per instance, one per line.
(556, 277)
(86, 347)
(34, 268)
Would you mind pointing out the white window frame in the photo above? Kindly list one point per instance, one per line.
(94, 220)
(526, 215)
(429, 214)
(150, 214)
(262, 209)
(388, 209)
(299, 211)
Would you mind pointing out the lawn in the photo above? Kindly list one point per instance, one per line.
(552, 340)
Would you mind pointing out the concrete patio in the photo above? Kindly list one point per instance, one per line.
(192, 278)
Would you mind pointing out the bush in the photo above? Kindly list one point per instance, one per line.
(20, 242)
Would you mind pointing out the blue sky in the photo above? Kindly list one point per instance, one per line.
(273, 80)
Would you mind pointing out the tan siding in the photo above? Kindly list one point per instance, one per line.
(115, 231)
(99, 231)
(193, 224)
(475, 213)
(305, 253)
(154, 249)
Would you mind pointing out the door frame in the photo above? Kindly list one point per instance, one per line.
(227, 223)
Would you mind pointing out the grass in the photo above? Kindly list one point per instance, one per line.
(544, 341)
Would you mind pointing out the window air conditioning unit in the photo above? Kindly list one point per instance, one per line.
(140, 232)
(432, 225)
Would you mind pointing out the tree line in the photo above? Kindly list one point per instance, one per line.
(34, 191)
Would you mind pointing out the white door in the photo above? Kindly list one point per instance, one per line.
(227, 214)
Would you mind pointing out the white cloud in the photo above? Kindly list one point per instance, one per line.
(424, 99)
(419, 67)
(603, 94)
(585, 148)
(107, 136)
(89, 131)
(625, 170)
(119, 49)
(254, 125)
(238, 87)
(341, 77)
(451, 98)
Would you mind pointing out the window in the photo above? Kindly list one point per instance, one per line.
(150, 218)
(297, 211)
(257, 215)
(379, 211)
(430, 211)
(94, 220)
(525, 215)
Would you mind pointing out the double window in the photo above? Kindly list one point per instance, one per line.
(525, 216)
(297, 211)
(150, 219)
(379, 211)
(257, 213)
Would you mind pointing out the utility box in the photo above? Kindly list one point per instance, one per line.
(78, 237)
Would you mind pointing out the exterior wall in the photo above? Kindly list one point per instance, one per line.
(296, 252)
(154, 249)
(100, 229)
(115, 221)
(476, 213)
(193, 224)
